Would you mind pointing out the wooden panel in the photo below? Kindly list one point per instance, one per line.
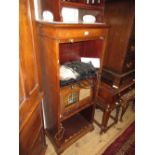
(50, 76)
(29, 85)
(53, 6)
(120, 15)
(38, 145)
(22, 96)
(93, 48)
(30, 133)
(27, 49)
(129, 63)
(70, 52)
(30, 96)
(84, 98)
(69, 31)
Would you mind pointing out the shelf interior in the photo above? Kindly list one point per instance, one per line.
(73, 127)
(74, 51)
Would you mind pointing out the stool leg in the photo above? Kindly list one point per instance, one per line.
(124, 108)
(105, 119)
(117, 113)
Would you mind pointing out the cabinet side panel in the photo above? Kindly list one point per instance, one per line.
(50, 80)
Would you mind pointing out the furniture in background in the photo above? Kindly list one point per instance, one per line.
(85, 7)
(69, 110)
(119, 59)
(31, 128)
(109, 99)
(118, 65)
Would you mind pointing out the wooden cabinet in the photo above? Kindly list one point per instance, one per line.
(119, 62)
(120, 52)
(66, 120)
(32, 139)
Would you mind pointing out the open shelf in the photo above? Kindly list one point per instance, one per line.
(82, 5)
(80, 108)
(74, 127)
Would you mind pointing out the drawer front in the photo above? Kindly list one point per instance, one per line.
(69, 98)
(79, 33)
(72, 33)
(73, 97)
(29, 134)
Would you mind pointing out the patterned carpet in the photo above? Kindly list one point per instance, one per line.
(124, 144)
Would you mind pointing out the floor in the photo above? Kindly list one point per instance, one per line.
(93, 143)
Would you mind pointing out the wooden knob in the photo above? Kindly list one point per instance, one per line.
(86, 33)
(71, 40)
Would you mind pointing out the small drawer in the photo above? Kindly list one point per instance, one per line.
(75, 96)
(71, 31)
(69, 98)
(79, 33)
(29, 133)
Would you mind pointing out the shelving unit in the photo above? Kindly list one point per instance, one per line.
(60, 43)
(55, 6)
(120, 53)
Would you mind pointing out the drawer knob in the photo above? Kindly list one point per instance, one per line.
(86, 33)
(71, 40)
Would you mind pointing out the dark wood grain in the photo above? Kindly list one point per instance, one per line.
(120, 15)
(60, 43)
(31, 134)
(119, 56)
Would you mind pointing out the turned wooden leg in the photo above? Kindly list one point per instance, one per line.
(105, 119)
(124, 108)
(117, 113)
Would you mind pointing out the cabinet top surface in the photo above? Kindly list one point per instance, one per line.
(72, 25)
